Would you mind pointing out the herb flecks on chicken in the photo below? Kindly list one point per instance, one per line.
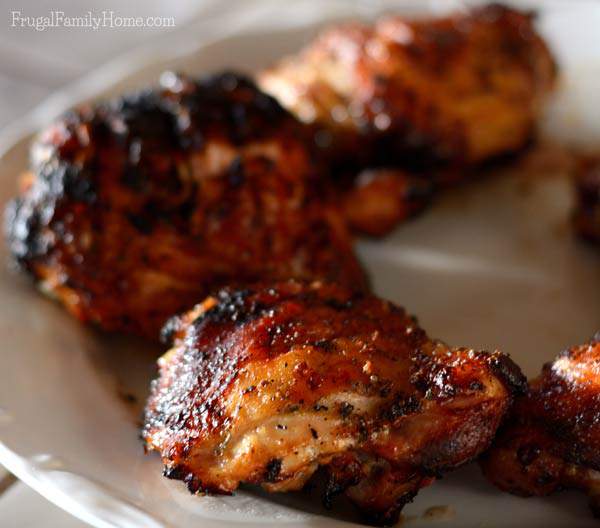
(267, 384)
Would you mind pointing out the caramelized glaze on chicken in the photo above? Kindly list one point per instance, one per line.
(552, 440)
(136, 209)
(457, 90)
(587, 186)
(267, 384)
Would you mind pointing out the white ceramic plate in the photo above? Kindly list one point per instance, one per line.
(491, 265)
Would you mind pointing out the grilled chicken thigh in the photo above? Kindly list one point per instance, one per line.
(552, 439)
(136, 209)
(267, 384)
(454, 90)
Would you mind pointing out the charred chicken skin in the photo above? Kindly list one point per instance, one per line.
(136, 209)
(267, 384)
(552, 439)
(456, 90)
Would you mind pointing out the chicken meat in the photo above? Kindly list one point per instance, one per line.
(552, 438)
(267, 384)
(380, 199)
(455, 90)
(135, 209)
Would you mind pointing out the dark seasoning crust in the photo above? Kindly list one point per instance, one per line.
(155, 120)
(127, 220)
(338, 342)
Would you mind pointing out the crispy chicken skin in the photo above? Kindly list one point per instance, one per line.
(136, 209)
(552, 439)
(586, 218)
(267, 384)
(454, 90)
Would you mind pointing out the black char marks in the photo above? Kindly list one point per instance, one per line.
(374, 408)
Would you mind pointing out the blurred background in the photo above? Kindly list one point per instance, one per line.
(34, 62)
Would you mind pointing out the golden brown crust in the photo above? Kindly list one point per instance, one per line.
(267, 384)
(137, 208)
(552, 439)
(456, 90)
